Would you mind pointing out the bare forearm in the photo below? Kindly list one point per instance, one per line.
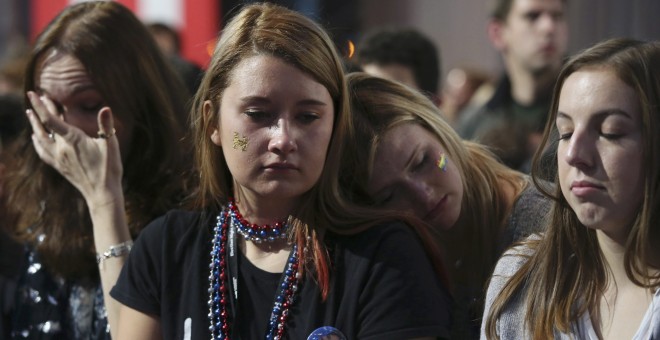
(110, 229)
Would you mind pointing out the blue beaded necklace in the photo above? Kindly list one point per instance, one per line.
(218, 302)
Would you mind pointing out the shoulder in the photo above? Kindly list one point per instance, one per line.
(514, 258)
(533, 202)
(530, 200)
(475, 121)
(378, 240)
(655, 314)
(469, 120)
(166, 254)
(387, 281)
(173, 224)
(502, 95)
(174, 234)
(509, 323)
(385, 257)
(529, 214)
(532, 192)
(380, 231)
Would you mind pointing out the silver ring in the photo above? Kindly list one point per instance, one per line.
(104, 135)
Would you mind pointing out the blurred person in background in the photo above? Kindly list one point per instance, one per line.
(13, 59)
(404, 55)
(12, 123)
(169, 41)
(531, 36)
(12, 72)
(104, 157)
(464, 87)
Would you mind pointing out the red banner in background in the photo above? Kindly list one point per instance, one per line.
(42, 12)
(198, 21)
(131, 4)
(199, 35)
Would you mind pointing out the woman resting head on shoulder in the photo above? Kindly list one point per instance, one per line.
(405, 158)
(262, 257)
(595, 272)
(104, 159)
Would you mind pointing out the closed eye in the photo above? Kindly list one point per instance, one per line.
(532, 16)
(565, 136)
(308, 117)
(421, 163)
(385, 200)
(611, 136)
(93, 107)
(257, 115)
(59, 107)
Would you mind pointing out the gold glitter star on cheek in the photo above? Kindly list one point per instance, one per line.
(240, 142)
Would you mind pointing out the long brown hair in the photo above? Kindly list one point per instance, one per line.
(567, 275)
(135, 80)
(379, 105)
(267, 29)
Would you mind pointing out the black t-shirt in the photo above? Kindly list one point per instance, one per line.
(257, 292)
(382, 285)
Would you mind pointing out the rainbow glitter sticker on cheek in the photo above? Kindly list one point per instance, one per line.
(442, 162)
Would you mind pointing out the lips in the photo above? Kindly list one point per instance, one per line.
(585, 184)
(548, 49)
(584, 188)
(281, 166)
(436, 210)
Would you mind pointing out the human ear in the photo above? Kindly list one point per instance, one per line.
(207, 111)
(495, 31)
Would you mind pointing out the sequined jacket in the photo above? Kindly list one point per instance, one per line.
(38, 305)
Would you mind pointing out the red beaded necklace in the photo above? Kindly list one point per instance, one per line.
(254, 232)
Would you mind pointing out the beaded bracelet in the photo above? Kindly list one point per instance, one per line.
(115, 251)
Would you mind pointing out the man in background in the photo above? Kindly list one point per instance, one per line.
(169, 42)
(403, 55)
(531, 36)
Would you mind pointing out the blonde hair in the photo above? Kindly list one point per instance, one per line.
(379, 105)
(566, 275)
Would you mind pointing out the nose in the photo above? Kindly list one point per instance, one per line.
(421, 194)
(548, 22)
(579, 151)
(282, 139)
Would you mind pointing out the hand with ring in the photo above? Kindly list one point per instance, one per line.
(103, 135)
(92, 165)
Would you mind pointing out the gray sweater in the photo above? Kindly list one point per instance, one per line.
(511, 321)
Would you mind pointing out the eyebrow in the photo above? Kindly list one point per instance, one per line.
(599, 114)
(266, 100)
(76, 89)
